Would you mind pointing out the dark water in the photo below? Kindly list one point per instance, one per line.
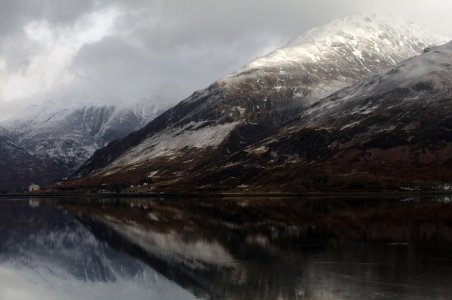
(310, 248)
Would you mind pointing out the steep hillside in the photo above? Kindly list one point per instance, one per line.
(393, 130)
(253, 103)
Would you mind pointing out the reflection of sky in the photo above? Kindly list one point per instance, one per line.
(45, 254)
(27, 285)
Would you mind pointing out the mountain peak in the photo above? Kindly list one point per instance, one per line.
(387, 34)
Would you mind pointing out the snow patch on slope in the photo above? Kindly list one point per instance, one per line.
(197, 135)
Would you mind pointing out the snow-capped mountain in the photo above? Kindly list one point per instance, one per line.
(393, 130)
(253, 103)
(334, 56)
(62, 135)
(71, 134)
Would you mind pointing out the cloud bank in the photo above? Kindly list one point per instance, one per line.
(113, 50)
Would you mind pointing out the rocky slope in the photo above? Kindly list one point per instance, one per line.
(390, 131)
(203, 142)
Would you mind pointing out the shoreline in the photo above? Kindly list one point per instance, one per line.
(352, 194)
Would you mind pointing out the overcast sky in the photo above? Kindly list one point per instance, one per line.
(113, 50)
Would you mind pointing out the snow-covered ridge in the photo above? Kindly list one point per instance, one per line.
(51, 112)
(389, 37)
(422, 74)
(329, 58)
(72, 132)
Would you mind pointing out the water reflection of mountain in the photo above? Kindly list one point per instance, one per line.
(47, 254)
(199, 255)
(274, 248)
(29, 234)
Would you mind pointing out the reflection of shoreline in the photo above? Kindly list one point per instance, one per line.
(324, 218)
(437, 198)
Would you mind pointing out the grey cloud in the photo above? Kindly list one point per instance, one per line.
(185, 43)
(111, 64)
(190, 43)
(67, 11)
(16, 14)
(16, 49)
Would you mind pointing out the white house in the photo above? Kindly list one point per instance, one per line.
(33, 188)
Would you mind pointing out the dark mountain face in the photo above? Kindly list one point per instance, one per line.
(246, 107)
(19, 168)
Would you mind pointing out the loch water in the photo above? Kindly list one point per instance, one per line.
(322, 247)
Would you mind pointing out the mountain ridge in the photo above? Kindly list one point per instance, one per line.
(251, 104)
(63, 134)
(387, 132)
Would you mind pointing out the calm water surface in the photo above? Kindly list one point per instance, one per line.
(310, 248)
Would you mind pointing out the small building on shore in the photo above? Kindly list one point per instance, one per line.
(33, 188)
